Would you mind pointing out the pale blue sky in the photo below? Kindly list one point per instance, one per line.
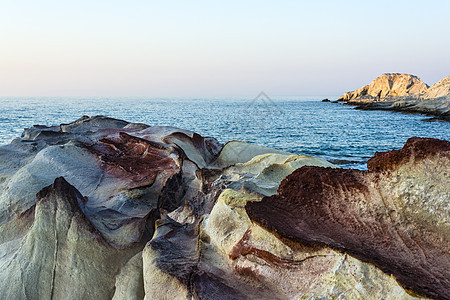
(216, 48)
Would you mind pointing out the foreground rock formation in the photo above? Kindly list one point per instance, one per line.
(382, 216)
(404, 93)
(102, 208)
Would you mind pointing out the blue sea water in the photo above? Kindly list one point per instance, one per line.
(335, 132)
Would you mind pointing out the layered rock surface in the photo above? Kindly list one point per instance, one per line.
(62, 256)
(395, 215)
(404, 93)
(439, 89)
(101, 208)
(388, 85)
(122, 176)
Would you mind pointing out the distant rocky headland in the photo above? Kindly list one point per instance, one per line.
(102, 208)
(403, 93)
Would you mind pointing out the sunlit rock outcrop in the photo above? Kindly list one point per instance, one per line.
(105, 209)
(388, 85)
(403, 93)
(439, 89)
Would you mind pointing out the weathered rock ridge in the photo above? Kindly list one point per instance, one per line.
(395, 215)
(403, 93)
(439, 89)
(101, 208)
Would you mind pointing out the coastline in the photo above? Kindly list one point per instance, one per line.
(404, 93)
(437, 109)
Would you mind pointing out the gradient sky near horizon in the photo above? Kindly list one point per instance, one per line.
(216, 48)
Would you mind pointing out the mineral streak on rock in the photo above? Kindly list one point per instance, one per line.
(245, 247)
(134, 159)
(414, 151)
(395, 215)
(128, 175)
(159, 212)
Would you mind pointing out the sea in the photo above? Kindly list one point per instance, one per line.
(338, 133)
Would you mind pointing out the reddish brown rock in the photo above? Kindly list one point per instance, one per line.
(415, 149)
(127, 177)
(395, 215)
(134, 159)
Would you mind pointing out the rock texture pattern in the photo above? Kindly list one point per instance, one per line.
(56, 236)
(395, 215)
(105, 209)
(404, 93)
(61, 250)
(388, 85)
(439, 89)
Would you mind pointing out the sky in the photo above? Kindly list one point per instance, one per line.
(216, 48)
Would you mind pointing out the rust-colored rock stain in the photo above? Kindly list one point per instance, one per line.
(344, 209)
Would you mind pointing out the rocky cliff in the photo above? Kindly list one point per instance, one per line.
(404, 93)
(101, 208)
(437, 90)
(388, 85)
